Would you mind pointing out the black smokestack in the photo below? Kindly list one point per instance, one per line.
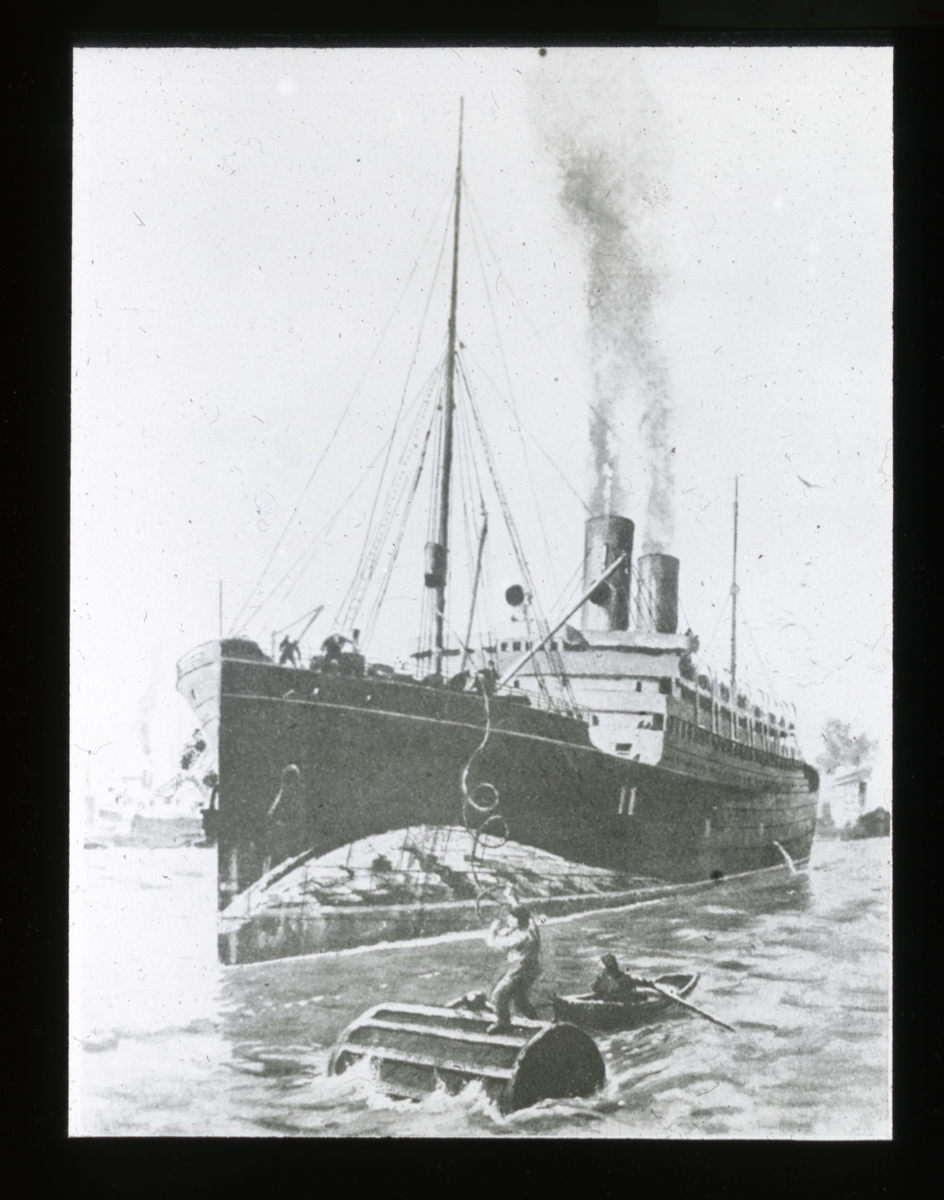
(657, 593)
(606, 539)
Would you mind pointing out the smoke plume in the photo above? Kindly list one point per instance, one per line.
(601, 132)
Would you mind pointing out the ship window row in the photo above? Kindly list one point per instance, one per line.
(742, 702)
(526, 645)
(726, 717)
(648, 721)
(686, 731)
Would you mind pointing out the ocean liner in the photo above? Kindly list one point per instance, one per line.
(595, 739)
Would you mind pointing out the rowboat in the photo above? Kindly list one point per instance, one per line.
(648, 1005)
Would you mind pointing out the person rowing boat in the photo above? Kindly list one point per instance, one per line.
(618, 1000)
(614, 984)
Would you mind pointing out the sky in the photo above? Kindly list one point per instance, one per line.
(679, 267)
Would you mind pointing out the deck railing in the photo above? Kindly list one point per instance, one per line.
(687, 731)
(194, 659)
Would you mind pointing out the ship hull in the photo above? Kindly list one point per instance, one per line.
(310, 762)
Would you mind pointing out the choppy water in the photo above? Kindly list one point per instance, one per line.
(167, 1042)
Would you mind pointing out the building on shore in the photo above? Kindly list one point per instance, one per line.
(851, 800)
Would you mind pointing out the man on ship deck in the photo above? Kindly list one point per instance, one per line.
(332, 647)
(290, 652)
(516, 934)
(486, 679)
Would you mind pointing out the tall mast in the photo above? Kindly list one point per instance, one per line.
(443, 537)
(466, 652)
(734, 600)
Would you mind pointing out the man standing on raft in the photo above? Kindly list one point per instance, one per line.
(519, 938)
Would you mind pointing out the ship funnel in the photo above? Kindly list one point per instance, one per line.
(657, 594)
(606, 538)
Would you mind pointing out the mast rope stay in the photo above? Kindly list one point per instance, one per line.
(513, 405)
(386, 575)
(473, 503)
(307, 555)
(524, 429)
(552, 655)
(760, 659)
(509, 523)
(341, 419)
(377, 532)
(344, 619)
(721, 616)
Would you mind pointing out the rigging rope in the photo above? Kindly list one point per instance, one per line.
(307, 555)
(347, 407)
(374, 611)
(312, 548)
(473, 503)
(552, 655)
(763, 666)
(524, 430)
(513, 406)
(376, 536)
(721, 616)
(380, 482)
(572, 586)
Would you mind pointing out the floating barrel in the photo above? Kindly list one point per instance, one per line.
(414, 1048)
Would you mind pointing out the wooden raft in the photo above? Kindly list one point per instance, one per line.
(414, 1048)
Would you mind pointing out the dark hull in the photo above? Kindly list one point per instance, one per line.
(314, 762)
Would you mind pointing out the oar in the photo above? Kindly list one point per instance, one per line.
(670, 995)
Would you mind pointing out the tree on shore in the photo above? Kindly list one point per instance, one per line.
(841, 749)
